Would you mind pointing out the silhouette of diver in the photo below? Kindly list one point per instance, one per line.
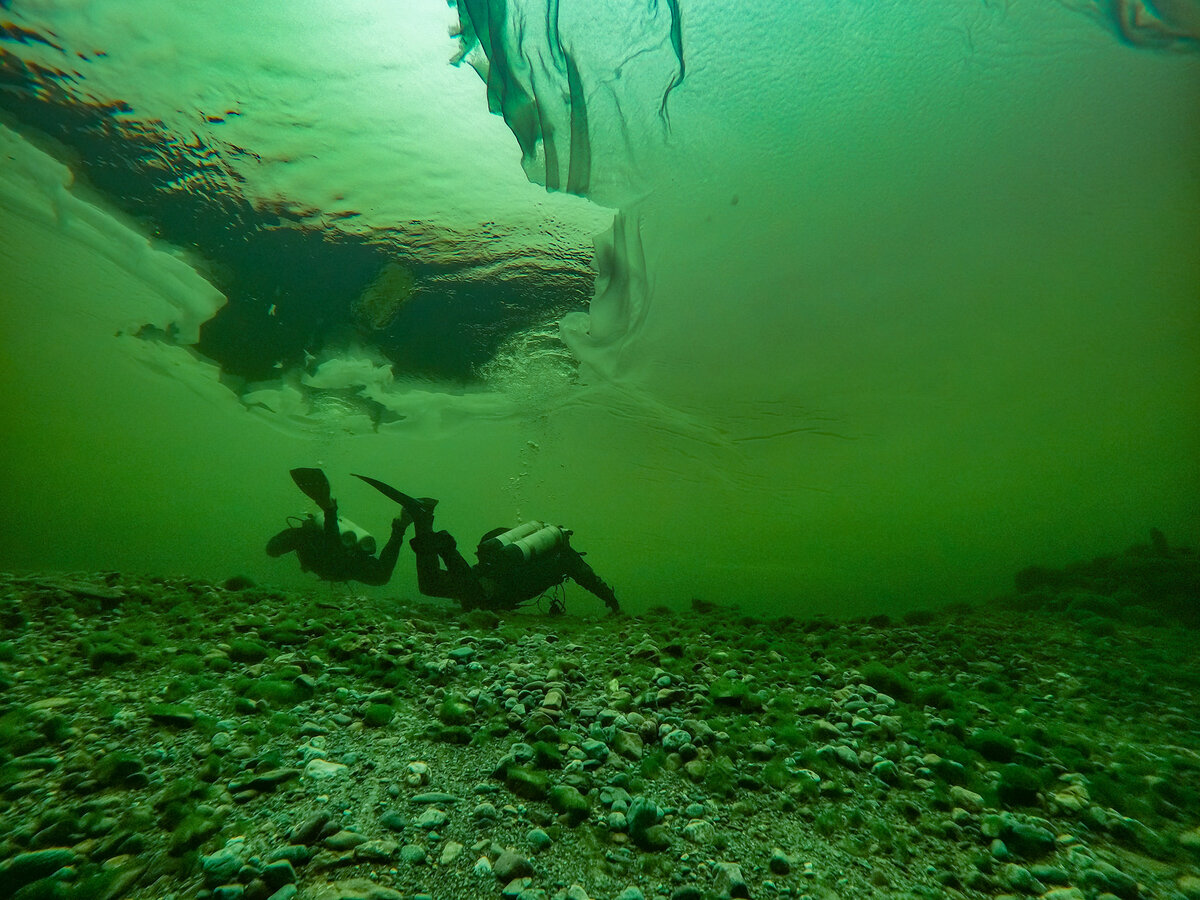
(515, 565)
(331, 548)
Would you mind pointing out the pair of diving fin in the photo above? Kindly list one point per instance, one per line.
(315, 485)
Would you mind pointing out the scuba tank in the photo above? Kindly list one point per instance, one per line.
(522, 543)
(352, 535)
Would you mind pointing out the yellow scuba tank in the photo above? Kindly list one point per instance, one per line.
(522, 543)
(352, 535)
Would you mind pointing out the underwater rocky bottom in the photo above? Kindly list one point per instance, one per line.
(169, 738)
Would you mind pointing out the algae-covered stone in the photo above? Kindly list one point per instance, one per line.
(344, 840)
(110, 653)
(1102, 876)
(277, 874)
(196, 828)
(526, 783)
(356, 889)
(730, 882)
(644, 830)
(727, 692)
(992, 745)
(779, 863)
(175, 714)
(247, 651)
(221, 866)
(378, 850)
(1028, 840)
(118, 769)
(509, 865)
(539, 840)
(378, 715)
(28, 867)
(264, 782)
(279, 693)
(1018, 785)
(547, 755)
(413, 854)
(569, 803)
(455, 710)
(432, 819)
(1021, 879)
(627, 744)
(453, 734)
(434, 797)
(886, 771)
(320, 769)
(700, 831)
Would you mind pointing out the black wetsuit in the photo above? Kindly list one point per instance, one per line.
(492, 586)
(321, 551)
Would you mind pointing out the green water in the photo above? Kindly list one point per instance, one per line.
(904, 301)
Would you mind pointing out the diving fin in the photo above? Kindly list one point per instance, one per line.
(314, 483)
(415, 506)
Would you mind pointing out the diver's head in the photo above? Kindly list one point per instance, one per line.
(488, 564)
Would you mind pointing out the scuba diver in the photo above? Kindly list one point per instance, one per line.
(333, 548)
(515, 565)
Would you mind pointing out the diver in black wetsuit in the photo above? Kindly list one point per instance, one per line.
(329, 547)
(515, 565)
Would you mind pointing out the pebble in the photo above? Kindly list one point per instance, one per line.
(221, 866)
(1063, 893)
(485, 812)
(1021, 879)
(968, 800)
(434, 797)
(413, 854)
(779, 864)
(417, 773)
(307, 831)
(322, 770)
(729, 881)
(886, 771)
(376, 850)
(1102, 876)
(344, 840)
(27, 867)
(279, 873)
(431, 819)
(510, 865)
(355, 889)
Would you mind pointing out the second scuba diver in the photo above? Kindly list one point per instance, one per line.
(515, 565)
